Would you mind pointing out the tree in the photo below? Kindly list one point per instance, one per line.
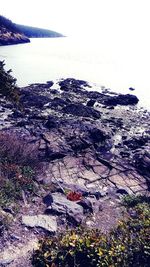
(8, 85)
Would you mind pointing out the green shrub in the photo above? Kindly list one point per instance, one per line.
(125, 246)
(131, 200)
(8, 86)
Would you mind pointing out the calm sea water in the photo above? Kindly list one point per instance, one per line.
(115, 65)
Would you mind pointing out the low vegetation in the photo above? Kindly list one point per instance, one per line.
(18, 165)
(127, 245)
(130, 201)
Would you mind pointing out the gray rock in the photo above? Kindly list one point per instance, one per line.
(122, 191)
(91, 103)
(15, 237)
(95, 205)
(142, 162)
(5, 262)
(86, 204)
(98, 194)
(81, 111)
(61, 205)
(44, 221)
(47, 200)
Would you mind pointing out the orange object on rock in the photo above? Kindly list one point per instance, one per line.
(74, 196)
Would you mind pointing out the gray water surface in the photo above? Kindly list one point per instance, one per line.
(104, 62)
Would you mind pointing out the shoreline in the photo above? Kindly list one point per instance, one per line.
(65, 62)
(95, 144)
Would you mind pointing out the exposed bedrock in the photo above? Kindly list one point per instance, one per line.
(83, 144)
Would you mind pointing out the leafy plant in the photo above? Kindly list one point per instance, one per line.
(132, 200)
(127, 245)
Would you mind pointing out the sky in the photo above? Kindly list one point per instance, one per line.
(82, 17)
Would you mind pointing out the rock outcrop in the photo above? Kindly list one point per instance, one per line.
(9, 38)
(10, 34)
(92, 146)
(89, 143)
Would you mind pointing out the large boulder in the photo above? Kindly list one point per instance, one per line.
(136, 142)
(123, 100)
(51, 122)
(71, 84)
(80, 110)
(141, 161)
(33, 100)
(97, 135)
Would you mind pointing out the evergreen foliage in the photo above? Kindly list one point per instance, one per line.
(33, 32)
(8, 85)
(8, 27)
(8, 24)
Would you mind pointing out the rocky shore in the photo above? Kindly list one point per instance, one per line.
(9, 38)
(93, 148)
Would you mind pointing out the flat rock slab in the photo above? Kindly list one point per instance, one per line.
(44, 221)
(61, 205)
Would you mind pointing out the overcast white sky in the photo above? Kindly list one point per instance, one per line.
(71, 17)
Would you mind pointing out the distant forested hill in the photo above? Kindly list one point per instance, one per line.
(37, 32)
(11, 33)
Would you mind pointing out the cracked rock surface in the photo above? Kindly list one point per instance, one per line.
(94, 143)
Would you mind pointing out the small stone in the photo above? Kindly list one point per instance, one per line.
(15, 237)
(131, 88)
(98, 194)
(122, 191)
(5, 215)
(47, 200)
(91, 103)
(86, 204)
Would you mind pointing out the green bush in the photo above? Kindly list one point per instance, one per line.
(8, 86)
(18, 165)
(131, 200)
(125, 246)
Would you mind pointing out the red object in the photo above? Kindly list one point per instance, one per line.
(74, 196)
